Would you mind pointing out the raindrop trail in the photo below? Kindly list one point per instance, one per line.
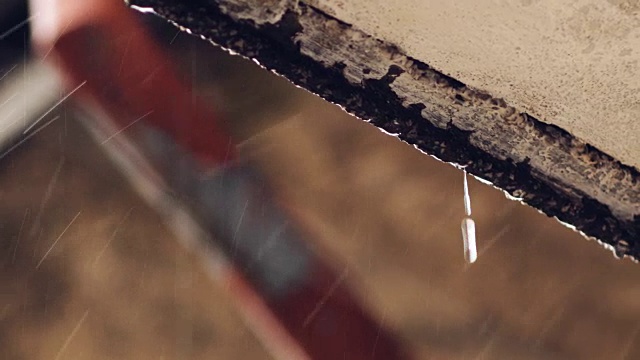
(17, 27)
(488, 346)
(629, 344)
(550, 323)
(272, 239)
(7, 73)
(113, 236)
(495, 238)
(28, 137)
(9, 99)
(58, 239)
(7, 116)
(124, 56)
(151, 75)
(175, 37)
(382, 323)
(126, 127)
(326, 297)
(53, 107)
(235, 234)
(72, 335)
(15, 249)
(47, 194)
(64, 31)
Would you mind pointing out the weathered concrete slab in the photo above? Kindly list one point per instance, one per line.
(384, 82)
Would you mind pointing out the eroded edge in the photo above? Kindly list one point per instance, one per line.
(539, 164)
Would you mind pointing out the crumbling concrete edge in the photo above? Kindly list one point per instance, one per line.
(537, 163)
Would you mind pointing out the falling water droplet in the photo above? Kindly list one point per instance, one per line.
(467, 199)
(468, 227)
(469, 238)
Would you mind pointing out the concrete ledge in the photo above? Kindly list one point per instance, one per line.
(537, 163)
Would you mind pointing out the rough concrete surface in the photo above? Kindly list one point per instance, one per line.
(575, 64)
(542, 164)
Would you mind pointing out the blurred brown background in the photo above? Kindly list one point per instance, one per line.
(117, 285)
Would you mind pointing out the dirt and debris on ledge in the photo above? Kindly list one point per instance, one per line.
(539, 164)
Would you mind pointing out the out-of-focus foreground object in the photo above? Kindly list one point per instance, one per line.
(103, 50)
(177, 153)
(542, 106)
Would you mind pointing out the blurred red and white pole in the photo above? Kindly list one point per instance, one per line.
(294, 302)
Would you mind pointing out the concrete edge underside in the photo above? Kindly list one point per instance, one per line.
(537, 163)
